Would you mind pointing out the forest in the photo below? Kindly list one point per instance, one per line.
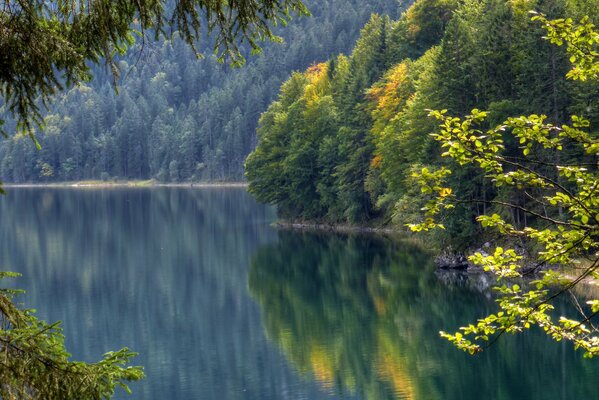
(173, 117)
(344, 138)
(473, 119)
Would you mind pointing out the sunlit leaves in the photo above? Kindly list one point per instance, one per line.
(431, 184)
(504, 264)
(570, 206)
(463, 141)
(582, 44)
(573, 235)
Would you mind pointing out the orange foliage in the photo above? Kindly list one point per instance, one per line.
(318, 82)
(376, 162)
(379, 305)
(389, 96)
(391, 370)
(316, 69)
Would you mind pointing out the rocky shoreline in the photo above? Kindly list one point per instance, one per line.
(306, 226)
(448, 261)
(445, 261)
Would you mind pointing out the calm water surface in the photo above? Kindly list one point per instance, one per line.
(222, 306)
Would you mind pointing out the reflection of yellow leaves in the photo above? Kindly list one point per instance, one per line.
(379, 305)
(392, 367)
(380, 289)
(392, 371)
(322, 366)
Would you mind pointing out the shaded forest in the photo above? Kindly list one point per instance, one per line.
(176, 118)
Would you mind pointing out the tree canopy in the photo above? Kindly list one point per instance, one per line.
(174, 117)
(378, 130)
(526, 166)
(565, 231)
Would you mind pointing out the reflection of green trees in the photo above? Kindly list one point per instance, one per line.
(161, 270)
(327, 308)
(362, 315)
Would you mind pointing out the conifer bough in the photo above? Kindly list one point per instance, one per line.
(48, 45)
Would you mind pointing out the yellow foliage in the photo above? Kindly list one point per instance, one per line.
(316, 70)
(318, 83)
(389, 96)
(523, 7)
(444, 192)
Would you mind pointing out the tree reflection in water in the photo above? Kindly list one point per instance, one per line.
(361, 316)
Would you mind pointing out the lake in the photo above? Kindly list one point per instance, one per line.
(221, 305)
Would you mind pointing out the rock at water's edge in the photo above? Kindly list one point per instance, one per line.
(452, 261)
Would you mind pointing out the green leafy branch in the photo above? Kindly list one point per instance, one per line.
(582, 44)
(568, 194)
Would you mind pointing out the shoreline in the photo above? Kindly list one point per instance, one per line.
(123, 184)
(446, 264)
(340, 228)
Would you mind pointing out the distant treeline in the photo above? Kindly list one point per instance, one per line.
(177, 118)
(343, 138)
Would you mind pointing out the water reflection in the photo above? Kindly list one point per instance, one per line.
(162, 271)
(361, 315)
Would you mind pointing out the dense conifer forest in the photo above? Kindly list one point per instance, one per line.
(342, 140)
(176, 118)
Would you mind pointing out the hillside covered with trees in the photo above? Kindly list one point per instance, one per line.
(450, 116)
(176, 118)
(344, 138)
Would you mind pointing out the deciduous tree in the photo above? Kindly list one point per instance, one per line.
(556, 173)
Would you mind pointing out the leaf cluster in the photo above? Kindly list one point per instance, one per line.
(567, 229)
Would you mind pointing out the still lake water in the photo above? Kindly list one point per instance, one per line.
(220, 305)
